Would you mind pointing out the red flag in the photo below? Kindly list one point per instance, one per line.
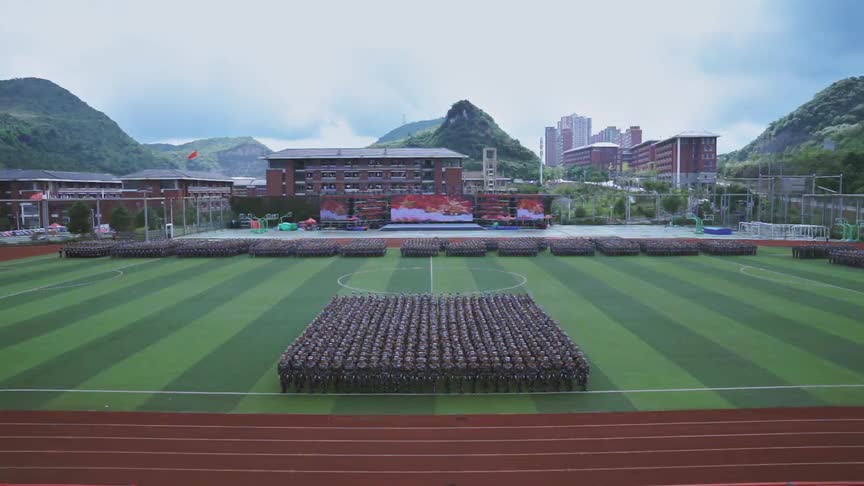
(192, 155)
(37, 196)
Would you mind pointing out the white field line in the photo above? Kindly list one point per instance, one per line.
(431, 471)
(59, 285)
(455, 427)
(431, 277)
(786, 275)
(574, 392)
(489, 454)
(426, 441)
(519, 276)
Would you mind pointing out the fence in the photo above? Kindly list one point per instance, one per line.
(152, 218)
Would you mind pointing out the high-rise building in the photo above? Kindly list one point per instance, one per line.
(581, 126)
(631, 137)
(686, 159)
(551, 155)
(608, 134)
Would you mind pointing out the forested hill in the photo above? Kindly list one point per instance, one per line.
(233, 156)
(43, 126)
(823, 136)
(467, 129)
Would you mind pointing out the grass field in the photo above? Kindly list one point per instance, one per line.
(662, 333)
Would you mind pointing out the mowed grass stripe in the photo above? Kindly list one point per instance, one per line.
(453, 275)
(25, 355)
(65, 274)
(47, 267)
(818, 269)
(616, 353)
(238, 363)
(766, 316)
(154, 367)
(681, 300)
(489, 274)
(709, 362)
(840, 301)
(80, 303)
(794, 303)
(372, 275)
(50, 298)
(70, 369)
(557, 299)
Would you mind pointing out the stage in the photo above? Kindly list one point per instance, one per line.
(432, 227)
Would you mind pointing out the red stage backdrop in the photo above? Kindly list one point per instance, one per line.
(431, 208)
(334, 209)
(530, 208)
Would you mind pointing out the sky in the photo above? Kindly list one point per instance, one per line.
(334, 73)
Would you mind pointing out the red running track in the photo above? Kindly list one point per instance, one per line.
(642, 448)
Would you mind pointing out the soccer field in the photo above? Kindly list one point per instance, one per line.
(661, 333)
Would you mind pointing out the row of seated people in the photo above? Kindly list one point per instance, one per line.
(420, 247)
(614, 246)
(668, 247)
(212, 248)
(726, 247)
(87, 249)
(473, 247)
(425, 342)
(317, 247)
(518, 247)
(365, 247)
(273, 248)
(817, 251)
(571, 247)
(145, 249)
(852, 258)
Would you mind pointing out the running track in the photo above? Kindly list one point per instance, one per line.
(643, 448)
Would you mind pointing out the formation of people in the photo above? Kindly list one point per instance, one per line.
(726, 247)
(433, 343)
(365, 247)
(852, 258)
(572, 246)
(473, 247)
(614, 246)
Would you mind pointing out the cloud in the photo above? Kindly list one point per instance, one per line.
(295, 71)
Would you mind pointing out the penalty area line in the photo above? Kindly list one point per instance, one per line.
(573, 392)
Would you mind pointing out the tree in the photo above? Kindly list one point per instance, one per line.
(79, 219)
(121, 220)
(5, 225)
(672, 203)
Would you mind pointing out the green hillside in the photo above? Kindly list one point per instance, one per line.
(823, 136)
(233, 156)
(467, 129)
(410, 129)
(45, 126)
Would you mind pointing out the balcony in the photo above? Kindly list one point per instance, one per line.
(208, 190)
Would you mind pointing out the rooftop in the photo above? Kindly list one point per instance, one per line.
(55, 175)
(595, 145)
(162, 174)
(365, 153)
(691, 134)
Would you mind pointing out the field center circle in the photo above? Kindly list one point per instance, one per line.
(360, 282)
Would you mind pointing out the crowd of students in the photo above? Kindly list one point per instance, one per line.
(365, 247)
(433, 343)
(467, 248)
(726, 247)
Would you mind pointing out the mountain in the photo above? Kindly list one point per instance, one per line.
(232, 156)
(43, 126)
(823, 136)
(467, 129)
(409, 129)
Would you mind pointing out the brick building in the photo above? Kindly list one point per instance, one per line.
(174, 183)
(687, 158)
(643, 156)
(630, 137)
(604, 156)
(27, 183)
(551, 154)
(364, 171)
